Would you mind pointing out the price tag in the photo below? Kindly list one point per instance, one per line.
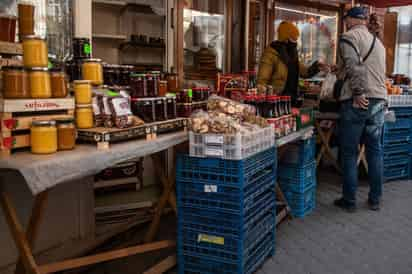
(214, 139)
(210, 239)
(210, 188)
(217, 152)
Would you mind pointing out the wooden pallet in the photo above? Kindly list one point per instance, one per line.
(16, 117)
(103, 137)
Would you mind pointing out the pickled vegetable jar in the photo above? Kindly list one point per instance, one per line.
(15, 83)
(43, 137)
(58, 84)
(66, 134)
(84, 116)
(82, 92)
(40, 85)
(35, 52)
(92, 70)
(26, 18)
(160, 109)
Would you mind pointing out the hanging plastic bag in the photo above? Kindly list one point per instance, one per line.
(328, 86)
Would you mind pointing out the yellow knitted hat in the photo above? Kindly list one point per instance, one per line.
(288, 30)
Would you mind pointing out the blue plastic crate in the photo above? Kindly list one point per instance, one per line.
(297, 172)
(301, 153)
(401, 123)
(227, 222)
(400, 148)
(236, 173)
(298, 186)
(216, 245)
(402, 112)
(395, 160)
(410, 166)
(399, 172)
(301, 204)
(397, 136)
(198, 263)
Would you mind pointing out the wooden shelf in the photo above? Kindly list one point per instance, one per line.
(111, 2)
(141, 45)
(11, 48)
(109, 36)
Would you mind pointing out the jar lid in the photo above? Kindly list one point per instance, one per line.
(38, 69)
(82, 82)
(33, 37)
(12, 68)
(64, 121)
(249, 97)
(92, 60)
(84, 106)
(40, 123)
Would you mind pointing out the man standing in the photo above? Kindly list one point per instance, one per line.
(362, 107)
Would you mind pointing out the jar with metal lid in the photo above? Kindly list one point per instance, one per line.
(66, 134)
(82, 92)
(15, 83)
(40, 85)
(197, 94)
(171, 108)
(84, 116)
(26, 18)
(92, 70)
(184, 96)
(58, 80)
(7, 28)
(152, 85)
(163, 88)
(172, 82)
(81, 48)
(160, 109)
(35, 53)
(138, 85)
(43, 137)
(144, 108)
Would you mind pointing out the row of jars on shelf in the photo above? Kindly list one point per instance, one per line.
(270, 106)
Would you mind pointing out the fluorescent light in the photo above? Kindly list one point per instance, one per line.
(305, 13)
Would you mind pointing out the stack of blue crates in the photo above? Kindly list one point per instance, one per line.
(226, 213)
(397, 143)
(297, 177)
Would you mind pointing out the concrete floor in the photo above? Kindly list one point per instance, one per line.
(329, 241)
(333, 241)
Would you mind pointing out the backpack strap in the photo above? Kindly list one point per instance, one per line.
(348, 42)
(371, 49)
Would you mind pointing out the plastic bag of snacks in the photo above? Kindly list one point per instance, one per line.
(213, 122)
(230, 107)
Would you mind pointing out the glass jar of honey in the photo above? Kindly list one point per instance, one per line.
(84, 116)
(43, 137)
(35, 52)
(40, 85)
(83, 92)
(15, 83)
(92, 70)
(66, 134)
(58, 80)
(26, 18)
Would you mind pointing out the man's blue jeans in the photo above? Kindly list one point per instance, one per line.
(358, 125)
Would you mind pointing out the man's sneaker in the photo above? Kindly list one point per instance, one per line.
(341, 203)
(374, 206)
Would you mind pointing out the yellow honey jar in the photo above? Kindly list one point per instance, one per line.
(92, 70)
(35, 52)
(83, 92)
(40, 85)
(84, 116)
(43, 137)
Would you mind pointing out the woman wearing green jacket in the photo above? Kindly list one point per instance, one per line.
(279, 65)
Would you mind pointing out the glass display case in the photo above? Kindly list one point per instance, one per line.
(318, 28)
(203, 38)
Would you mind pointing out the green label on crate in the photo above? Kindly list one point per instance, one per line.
(87, 49)
(203, 238)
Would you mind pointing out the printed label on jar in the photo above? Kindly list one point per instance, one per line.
(210, 189)
(214, 139)
(218, 152)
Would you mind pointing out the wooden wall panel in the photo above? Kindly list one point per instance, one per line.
(390, 35)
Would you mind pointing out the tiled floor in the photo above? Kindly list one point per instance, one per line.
(333, 241)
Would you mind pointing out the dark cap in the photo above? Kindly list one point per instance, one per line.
(357, 13)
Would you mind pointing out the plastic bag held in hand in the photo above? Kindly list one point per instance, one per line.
(328, 86)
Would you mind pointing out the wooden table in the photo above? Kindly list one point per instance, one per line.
(25, 239)
(295, 136)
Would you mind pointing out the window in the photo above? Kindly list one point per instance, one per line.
(403, 58)
(318, 31)
(204, 39)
